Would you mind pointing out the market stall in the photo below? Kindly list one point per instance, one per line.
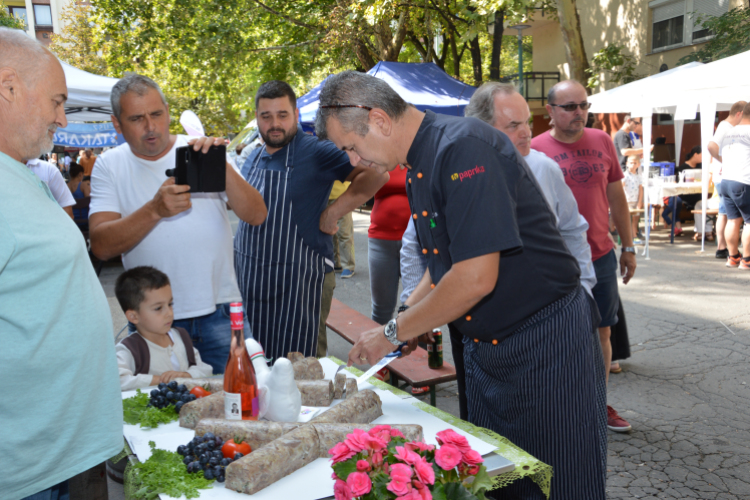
(503, 460)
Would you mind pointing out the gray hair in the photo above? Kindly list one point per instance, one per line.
(354, 88)
(132, 83)
(482, 103)
(21, 52)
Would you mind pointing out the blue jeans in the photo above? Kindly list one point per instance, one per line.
(211, 335)
(57, 492)
(384, 259)
(667, 214)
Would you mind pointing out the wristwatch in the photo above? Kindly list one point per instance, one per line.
(391, 332)
(628, 249)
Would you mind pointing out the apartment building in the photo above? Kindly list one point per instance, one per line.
(42, 17)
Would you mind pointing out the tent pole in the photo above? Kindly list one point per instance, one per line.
(708, 116)
(646, 122)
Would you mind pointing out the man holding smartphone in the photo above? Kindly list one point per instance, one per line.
(137, 211)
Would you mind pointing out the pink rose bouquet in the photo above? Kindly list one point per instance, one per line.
(381, 464)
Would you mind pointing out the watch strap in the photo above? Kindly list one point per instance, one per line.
(628, 249)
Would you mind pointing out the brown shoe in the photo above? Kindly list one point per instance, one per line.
(614, 367)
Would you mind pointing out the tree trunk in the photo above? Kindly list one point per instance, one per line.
(363, 54)
(454, 54)
(497, 45)
(476, 60)
(570, 24)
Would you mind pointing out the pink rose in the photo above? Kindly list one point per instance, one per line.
(447, 457)
(472, 457)
(382, 432)
(359, 483)
(424, 471)
(376, 443)
(406, 455)
(400, 472)
(399, 488)
(412, 495)
(341, 452)
(334, 476)
(448, 436)
(424, 491)
(363, 466)
(419, 446)
(377, 458)
(473, 470)
(357, 440)
(341, 491)
(397, 433)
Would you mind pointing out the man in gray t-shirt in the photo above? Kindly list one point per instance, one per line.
(624, 142)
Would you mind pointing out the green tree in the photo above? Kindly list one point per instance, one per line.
(76, 43)
(575, 51)
(612, 62)
(9, 21)
(731, 36)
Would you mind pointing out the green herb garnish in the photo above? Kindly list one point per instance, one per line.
(165, 473)
(136, 411)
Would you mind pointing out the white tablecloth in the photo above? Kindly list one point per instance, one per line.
(659, 191)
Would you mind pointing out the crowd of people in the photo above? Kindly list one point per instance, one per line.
(503, 237)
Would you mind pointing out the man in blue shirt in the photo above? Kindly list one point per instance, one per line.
(285, 266)
(57, 364)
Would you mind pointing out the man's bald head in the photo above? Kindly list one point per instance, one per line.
(561, 86)
(24, 54)
(32, 96)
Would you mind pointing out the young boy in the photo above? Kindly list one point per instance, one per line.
(157, 352)
(633, 186)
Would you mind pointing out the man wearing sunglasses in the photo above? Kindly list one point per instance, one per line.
(588, 160)
(624, 145)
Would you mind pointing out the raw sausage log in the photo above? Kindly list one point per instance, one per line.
(338, 385)
(209, 407)
(308, 369)
(316, 392)
(276, 460)
(255, 433)
(351, 387)
(213, 384)
(331, 434)
(295, 356)
(362, 408)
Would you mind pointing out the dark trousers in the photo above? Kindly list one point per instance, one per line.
(457, 347)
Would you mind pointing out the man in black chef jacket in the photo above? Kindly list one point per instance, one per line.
(498, 271)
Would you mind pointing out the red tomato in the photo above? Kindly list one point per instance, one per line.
(199, 392)
(231, 447)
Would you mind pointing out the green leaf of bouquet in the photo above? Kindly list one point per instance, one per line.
(438, 492)
(457, 491)
(482, 481)
(343, 469)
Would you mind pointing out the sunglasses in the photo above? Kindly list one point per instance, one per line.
(572, 107)
(333, 106)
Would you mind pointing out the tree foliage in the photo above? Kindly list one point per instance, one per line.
(9, 21)
(612, 62)
(731, 36)
(211, 56)
(75, 45)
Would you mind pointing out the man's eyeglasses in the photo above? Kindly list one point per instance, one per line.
(332, 106)
(637, 123)
(572, 106)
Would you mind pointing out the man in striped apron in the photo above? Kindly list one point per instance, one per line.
(498, 271)
(285, 265)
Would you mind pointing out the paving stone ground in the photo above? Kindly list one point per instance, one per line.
(685, 389)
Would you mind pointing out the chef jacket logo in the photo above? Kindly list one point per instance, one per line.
(581, 171)
(468, 174)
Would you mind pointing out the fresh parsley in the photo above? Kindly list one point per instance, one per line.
(164, 473)
(136, 411)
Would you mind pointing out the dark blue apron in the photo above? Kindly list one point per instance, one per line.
(279, 275)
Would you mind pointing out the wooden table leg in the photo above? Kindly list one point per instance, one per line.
(90, 484)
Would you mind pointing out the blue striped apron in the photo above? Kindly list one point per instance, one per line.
(279, 275)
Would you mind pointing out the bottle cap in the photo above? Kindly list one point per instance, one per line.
(236, 316)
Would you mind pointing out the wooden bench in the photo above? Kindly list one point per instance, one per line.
(711, 215)
(412, 369)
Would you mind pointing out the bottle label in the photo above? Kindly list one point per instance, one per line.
(440, 348)
(232, 406)
(429, 347)
(236, 315)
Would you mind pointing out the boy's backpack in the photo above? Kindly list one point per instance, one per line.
(138, 347)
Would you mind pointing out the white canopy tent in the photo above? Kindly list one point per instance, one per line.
(88, 95)
(695, 87)
(631, 98)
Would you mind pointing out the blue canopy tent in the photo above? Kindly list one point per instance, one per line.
(88, 135)
(424, 85)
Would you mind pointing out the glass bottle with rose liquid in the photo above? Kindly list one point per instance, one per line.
(240, 383)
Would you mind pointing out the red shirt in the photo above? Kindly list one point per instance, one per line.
(589, 166)
(391, 212)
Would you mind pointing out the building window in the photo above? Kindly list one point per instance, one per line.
(42, 15)
(676, 23)
(19, 12)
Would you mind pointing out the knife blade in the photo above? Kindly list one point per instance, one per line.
(380, 364)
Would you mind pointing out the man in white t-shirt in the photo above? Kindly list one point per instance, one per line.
(137, 211)
(735, 186)
(714, 147)
(51, 176)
